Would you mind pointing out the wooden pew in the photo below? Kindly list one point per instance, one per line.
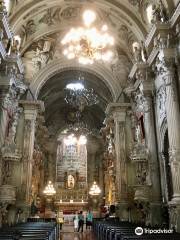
(30, 231)
(114, 230)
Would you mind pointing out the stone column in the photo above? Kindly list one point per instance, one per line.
(167, 63)
(150, 139)
(173, 120)
(119, 111)
(30, 115)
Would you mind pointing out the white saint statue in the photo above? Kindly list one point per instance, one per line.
(71, 181)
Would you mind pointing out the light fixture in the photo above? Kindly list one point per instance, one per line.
(88, 43)
(70, 140)
(78, 96)
(89, 17)
(73, 140)
(49, 189)
(79, 128)
(94, 190)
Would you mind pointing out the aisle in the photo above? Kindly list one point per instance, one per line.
(68, 233)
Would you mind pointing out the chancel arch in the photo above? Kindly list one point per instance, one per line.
(60, 65)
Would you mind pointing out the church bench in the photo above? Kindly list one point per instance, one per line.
(120, 232)
(109, 230)
(35, 230)
(105, 230)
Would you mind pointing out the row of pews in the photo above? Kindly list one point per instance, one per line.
(30, 231)
(113, 229)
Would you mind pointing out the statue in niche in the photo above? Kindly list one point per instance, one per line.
(159, 13)
(15, 46)
(137, 54)
(141, 175)
(12, 130)
(144, 54)
(71, 182)
(163, 12)
(161, 99)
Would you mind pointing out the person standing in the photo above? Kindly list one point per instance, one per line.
(89, 220)
(76, 222)
(81, 221)
(60, 220)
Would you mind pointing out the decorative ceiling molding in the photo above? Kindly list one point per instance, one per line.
(28, 10)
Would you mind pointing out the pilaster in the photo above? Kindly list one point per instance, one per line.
(167, 68)
(118, 111)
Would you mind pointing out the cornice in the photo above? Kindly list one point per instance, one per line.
(117, 107)
(5, 24)
(156, 28)
(33, 105)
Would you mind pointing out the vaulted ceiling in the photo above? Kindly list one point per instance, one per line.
(59, 114)
(40, 21)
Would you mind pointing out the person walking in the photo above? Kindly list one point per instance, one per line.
(89, 220)
(81, 221)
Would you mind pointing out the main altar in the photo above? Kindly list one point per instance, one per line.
(71, 176)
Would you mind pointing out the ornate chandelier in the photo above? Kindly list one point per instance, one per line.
(49, 189)
(88, 44)
(94, 190)
(78, 96)
(79, 128)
